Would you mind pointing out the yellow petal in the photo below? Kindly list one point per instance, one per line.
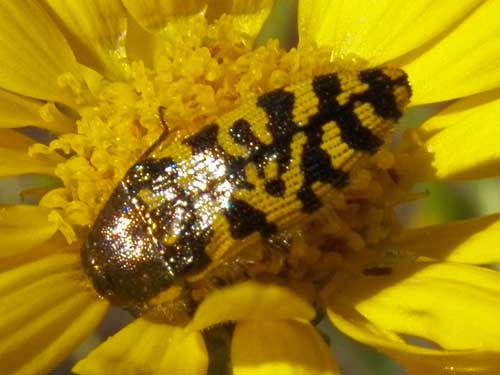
(153, 15)
(57, 244)
(250, 15)
(17, 163)
(280, 348)
(96, 30)
(16, 110)
(22, 228)
(468, 241)
(33, 52)
(45, 314)
(417, 360)
(460, 142)
(14, 140)
(147, 347)
(377, 31)
(464, 62)
(451, 304)
(186, 354)
(140, 44)
(15, 160)
(248, 301)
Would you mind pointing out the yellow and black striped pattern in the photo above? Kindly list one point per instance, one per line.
(247, 175)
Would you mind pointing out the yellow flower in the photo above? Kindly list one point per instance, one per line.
(93, 75)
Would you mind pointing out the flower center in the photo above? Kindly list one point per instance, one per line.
(200, 72)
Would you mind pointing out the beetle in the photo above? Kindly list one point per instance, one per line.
(186, 204)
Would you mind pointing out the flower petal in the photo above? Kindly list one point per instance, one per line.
(14, 140)
(451, 304)
(153, 15)
(17, 163)
(280, 347)
(469, 241)
(250, 15)
(33, 52)
(464, 62)
(377, 31)
(140, 44)
(96, 31)
(45, 313)
(417, 360)
(16, 110)
(460, 142)
(147, 347)
(22, 228)
(15, 160)
(57, 244)
(187, 354)
(248, 301)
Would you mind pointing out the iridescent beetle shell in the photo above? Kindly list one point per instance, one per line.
(185, 205)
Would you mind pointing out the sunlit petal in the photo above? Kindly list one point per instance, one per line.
(22, 228)
(153, 15)
(33, 52)
(45, 313)
(16, 110)
(17, 163)
(416, 360)
(14, 140)
(461, 142)
(140, 44)
(186, 354)
(96, 30)
(453, 305)
(249, 14)
(147, 347)
(468, 241)
(464, 62)
(14, 158)
(19, 111)
(281, 348)
(377, 31)
(248, 301)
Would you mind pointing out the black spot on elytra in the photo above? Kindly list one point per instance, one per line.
(316, 166)
(356, 135)
(352, 132)
(244, 220)
(276, 188)
(241, 132)
(316, 163)
(379, 93)
(278, 105)
(204, 139)
(235, 173)
(310, 201)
